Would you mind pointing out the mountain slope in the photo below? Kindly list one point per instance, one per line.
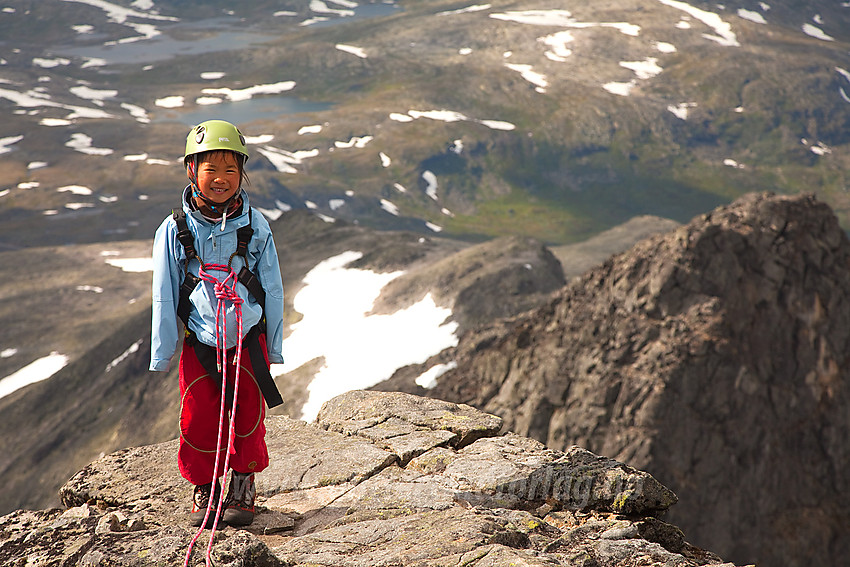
(713, 356)
(551, 121)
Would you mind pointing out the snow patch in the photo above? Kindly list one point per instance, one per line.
(431, 183)
(359, 349)
(751, 16)
(285, 161)
(354, 142)
(358, 51)
(530, 75)
(36, 371)
(723, 30)
(83, 144)
(235, 95)
(134, 265)
(467, 10)
(816, 32)
(682, 109)
(75, 189)
(621, 89)
(123, 356)
(645, 69)
(428, 379)
(174, 101)
(390, 207)
(8, 141)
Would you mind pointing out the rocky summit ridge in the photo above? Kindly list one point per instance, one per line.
(714, 357)
(378, 479)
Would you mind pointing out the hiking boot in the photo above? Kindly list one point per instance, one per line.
(200, 501)
(239, 509)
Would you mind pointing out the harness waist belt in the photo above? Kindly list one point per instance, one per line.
(207, 358)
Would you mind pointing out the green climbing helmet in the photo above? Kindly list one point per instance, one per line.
(215, 135)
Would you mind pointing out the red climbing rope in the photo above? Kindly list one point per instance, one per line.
(225, 291)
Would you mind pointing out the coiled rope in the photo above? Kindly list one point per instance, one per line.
(225, 290)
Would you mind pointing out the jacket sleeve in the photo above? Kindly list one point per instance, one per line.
(167, 275)
(268, 272)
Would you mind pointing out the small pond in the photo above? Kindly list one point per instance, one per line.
(261, 107)
(219, 34)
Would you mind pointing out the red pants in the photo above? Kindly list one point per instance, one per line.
(200, 414)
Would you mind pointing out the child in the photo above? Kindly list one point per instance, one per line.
(216, 268)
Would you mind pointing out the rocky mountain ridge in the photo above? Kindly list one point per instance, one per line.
(713, 356)
(380, 479)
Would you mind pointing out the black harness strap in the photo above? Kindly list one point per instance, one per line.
(245, 276)
(184, 235)
(261, 368)
(205, 353)
(190, 280)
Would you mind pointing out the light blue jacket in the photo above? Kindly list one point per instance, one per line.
(214, 246)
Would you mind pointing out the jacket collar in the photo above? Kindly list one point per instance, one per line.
(232, 222)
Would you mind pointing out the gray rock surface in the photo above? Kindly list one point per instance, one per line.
(715, 358)
(379, 479)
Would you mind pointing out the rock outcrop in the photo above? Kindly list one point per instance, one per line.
(714, 357)
(380, 479)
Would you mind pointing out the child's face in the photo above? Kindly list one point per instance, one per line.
(218, 176)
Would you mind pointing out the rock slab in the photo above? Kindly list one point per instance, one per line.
(380, 479)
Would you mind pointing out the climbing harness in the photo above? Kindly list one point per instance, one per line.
(214, 359)
(206, 354)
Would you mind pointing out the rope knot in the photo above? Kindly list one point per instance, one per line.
(225, 292)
